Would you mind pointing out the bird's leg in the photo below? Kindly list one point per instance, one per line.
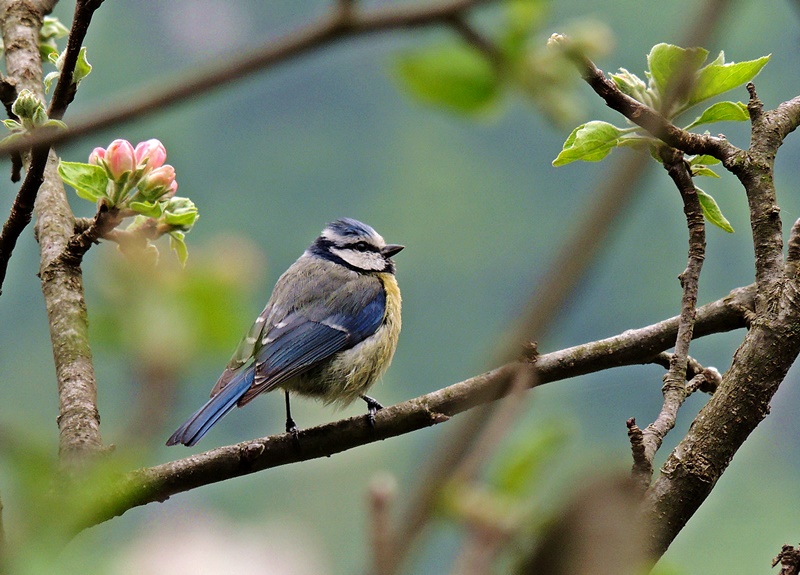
(291, 426)
(373, 406)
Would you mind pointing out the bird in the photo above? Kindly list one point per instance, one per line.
(328, 331)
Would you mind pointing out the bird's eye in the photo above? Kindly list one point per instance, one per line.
(361, 246)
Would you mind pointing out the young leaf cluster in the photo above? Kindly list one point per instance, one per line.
(82, 67)
(670, 67)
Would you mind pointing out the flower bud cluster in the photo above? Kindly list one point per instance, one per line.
(135, 181)
(139, 171)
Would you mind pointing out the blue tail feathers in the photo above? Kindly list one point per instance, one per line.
(215, 408)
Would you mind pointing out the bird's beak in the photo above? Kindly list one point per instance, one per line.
(390, 249)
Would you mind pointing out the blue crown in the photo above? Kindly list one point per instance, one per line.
(350, 227)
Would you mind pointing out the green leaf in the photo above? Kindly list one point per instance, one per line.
(82, 67)
(712, 212)
(523, 17)
(54, 124)
(719, 77)
(667, 62)
(703, 159)
(632, 85)
(90, 182)
(521, 467)
(52, 28)
(721, 112)
(455, 76)
(48, 80)
(148, 209)
(180, 213)
(590, 142)
(8, 140)
(177, 243)
(12, 125)
(700, 170)
(183, 220)
(45, 50)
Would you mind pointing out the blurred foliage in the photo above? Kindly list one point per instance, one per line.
(470, 75)
(168, 315)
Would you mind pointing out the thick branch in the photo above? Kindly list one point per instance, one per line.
(755, 171)
(742, 398)
(629, 348)
(61, 284)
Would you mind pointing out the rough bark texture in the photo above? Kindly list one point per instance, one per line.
(62, 285)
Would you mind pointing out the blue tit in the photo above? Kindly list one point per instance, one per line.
(329, 330)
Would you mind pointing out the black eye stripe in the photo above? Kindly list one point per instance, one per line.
(362, 247)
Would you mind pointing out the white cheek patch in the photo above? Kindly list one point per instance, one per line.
(371, 261)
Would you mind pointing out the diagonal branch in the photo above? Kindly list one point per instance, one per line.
(343, 22)
(629, 348)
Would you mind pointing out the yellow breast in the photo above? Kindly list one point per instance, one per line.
(351, 373)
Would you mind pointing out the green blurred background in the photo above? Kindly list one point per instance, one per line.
(272, 158)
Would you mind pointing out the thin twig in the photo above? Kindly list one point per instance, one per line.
(473, 37)
(674, 389)
(705, 379)
(649, 119)
(104, 222)
(642, 470)
(382, 493)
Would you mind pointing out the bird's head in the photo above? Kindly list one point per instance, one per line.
(355, 245)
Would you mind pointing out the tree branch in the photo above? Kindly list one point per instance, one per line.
(772, 344)
(789, 558)
(62, 285)
(20, 63)
(755, 172)
(631, 347)
(674, 389)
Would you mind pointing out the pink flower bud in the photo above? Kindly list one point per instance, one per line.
(153, 152)
(120, 158)
(97, 155)
(173, 187)
(158, 182)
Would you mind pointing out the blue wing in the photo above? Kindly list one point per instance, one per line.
(297, 343)
(300, 340)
